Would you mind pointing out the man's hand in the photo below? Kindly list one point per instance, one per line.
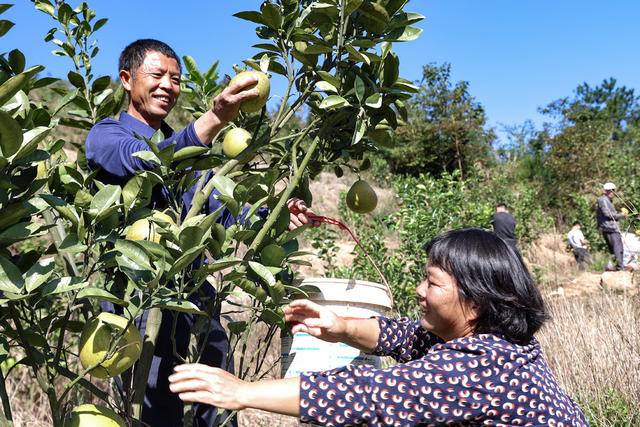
(226, 106)
(299, 214)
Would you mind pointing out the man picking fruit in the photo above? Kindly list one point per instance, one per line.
(608, 224)
(150, 73)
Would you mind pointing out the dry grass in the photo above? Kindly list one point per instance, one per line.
(592, 345)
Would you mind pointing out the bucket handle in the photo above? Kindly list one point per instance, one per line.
(340, 225)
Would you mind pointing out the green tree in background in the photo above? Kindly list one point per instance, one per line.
(445, 131)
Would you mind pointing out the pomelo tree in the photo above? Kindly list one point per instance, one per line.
(337, 60)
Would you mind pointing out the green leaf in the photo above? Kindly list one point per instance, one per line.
(263, 272)
(147, 156)
(10, 277)
(64, 284)
(189, 152)
(333, 101)
(276, 292)
(71, 244)
(224, 185)
(356, 55)
(191, 236)
(326, 87)
(62, 208)
(403, 34)
(374, 101)
(175, 304)
(39, 273)
(22, 231)
(272, 255)
(332, 80)
(30, 141)
(101, 294)
(65, 100)
(5, 26)
(136, 192)
(100, 84)
(404, 19)
(99, 23)
(192, 68)
(10, 135)
(187, 258)
(17, 61)
(220, 264)
(105, 198)
(76, 79)
(132, 255)
(272, 317)
(252, 16)
(271, 15)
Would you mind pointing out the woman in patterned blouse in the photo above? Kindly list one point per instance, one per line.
(471, 359)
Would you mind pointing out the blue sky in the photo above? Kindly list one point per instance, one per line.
(516, 55)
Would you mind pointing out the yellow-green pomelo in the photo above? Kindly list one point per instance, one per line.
(264, 86)
(361, 198)
(235, 141)
(143, 229)
(89, 415)
(94, 344)
(625, 211)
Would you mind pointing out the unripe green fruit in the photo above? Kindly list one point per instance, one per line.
(264, 86)
(361, 198)
(94, 344)
(90, 415)
(235, 141)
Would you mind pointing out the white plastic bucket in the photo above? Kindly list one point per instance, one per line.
(345, 297)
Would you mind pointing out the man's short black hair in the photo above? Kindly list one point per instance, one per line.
(133, 55)
(576, 223)
(492, 276)
(502, 205)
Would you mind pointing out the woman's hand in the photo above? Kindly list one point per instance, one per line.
(316, 320)
(205, 384)
(299, 214)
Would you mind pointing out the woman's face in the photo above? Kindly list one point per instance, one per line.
(443, 311)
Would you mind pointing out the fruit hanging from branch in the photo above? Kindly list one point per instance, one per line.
(361, 198)
(94, 345)
(264, 86)
(235, 141)
(144, 229)
(90, 415)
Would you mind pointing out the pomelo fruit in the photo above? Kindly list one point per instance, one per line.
(94, 344)
(89, 415)
(361, 198)
(235, 141)
(264, 86)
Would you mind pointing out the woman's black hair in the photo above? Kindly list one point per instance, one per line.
(133, 55)
(492, 276)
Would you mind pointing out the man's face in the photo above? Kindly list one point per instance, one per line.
(610, 193)
(155, 89)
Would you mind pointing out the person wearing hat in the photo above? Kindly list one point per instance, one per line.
(608, 224)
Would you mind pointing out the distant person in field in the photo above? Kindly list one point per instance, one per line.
(578, 243)
(470, 359)
(150, 72)
(504, 225)
(608, 223)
